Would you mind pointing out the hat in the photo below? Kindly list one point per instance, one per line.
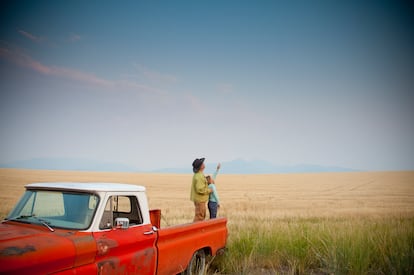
(197, 164)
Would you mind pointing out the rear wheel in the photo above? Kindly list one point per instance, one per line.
(197, 265)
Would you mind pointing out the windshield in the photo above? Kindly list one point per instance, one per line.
(56, 209)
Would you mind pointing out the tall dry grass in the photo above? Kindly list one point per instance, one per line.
(344, 245)
(329, 223)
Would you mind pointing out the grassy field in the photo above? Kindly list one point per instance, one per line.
(328, 223)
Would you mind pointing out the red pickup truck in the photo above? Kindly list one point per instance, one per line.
(101, 228)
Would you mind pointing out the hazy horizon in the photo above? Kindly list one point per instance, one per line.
(236, 166)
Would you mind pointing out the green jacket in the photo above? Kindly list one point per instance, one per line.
(199, 188)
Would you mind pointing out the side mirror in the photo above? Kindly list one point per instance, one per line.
(122, 223)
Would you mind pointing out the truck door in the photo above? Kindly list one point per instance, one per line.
(128, 250)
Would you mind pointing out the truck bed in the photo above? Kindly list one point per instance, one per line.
(175, 242)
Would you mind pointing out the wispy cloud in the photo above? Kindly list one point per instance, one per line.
(155, 76)
(17, 57)
(195, 102)
(138, 86)
(21, 59)
(225, 88)
(30, 36)
(73, 37)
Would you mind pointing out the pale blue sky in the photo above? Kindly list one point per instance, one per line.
(155, 84)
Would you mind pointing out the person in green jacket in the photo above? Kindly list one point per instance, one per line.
(199, 190)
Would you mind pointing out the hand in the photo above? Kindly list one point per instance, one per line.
(218, 206)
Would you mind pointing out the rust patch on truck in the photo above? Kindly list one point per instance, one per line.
(83, 239)
(143, 258)
(17, 251)
(105, 245)
(110, 266)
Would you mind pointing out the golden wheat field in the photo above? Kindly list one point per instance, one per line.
(246, 197)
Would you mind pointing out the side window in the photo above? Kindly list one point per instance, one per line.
(122, 204)
(121, 207)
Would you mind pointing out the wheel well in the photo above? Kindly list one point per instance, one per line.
(207, 251)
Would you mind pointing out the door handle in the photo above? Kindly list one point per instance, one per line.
(149, 232)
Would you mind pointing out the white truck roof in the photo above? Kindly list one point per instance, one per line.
(89, 186)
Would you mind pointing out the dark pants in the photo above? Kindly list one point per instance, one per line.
(212, 208)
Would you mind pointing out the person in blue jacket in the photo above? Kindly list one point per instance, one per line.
(213, 200)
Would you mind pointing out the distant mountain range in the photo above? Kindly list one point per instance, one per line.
(238, 166)
(72, 164)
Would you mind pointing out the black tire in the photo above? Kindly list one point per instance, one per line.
(197, 264)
